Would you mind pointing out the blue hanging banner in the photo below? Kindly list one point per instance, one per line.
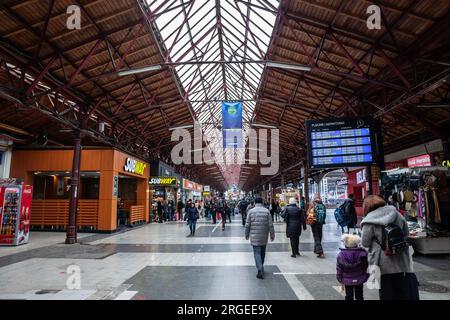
(232, 124)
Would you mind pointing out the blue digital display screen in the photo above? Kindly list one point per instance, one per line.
(341, 133)
(341, 151)
(331, 143)
(343, 159)
(341, 142)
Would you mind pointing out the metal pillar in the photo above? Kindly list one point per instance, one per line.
(71, 237)
(305, 165)
(446, 148)
(370, 180)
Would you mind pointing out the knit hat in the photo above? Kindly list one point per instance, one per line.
(351, 240)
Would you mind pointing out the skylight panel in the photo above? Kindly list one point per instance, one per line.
(193, 32)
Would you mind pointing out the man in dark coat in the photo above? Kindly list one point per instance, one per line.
(243, 209)
(160, 211)
(295, 219)
(213, 211)
(350, 212)
(180, 207)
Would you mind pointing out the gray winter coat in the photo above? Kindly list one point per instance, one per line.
(259, 225)
(372, 227)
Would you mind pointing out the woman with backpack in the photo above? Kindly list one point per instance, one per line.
(316, 219)
(384, 233)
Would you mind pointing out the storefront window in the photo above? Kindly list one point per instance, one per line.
(57, 186)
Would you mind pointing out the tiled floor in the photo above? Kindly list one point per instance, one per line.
(159, 261)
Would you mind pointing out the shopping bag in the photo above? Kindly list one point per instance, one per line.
(219, 216)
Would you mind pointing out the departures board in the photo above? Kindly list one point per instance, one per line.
(340, 143)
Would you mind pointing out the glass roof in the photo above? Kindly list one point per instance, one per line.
(218, 47)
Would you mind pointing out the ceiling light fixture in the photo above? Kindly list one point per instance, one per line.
(434, 105)
(139, 70)
(188, 126)
(265, 126)
(282, 65)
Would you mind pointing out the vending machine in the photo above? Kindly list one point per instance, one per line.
(15, 209)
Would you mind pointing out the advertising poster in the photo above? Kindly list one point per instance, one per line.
(232, 125)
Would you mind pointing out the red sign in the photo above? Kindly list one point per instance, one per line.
(189, 185)
(395, 165)
(420, 161)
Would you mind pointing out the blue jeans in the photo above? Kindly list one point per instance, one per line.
(260, 255)
(192, 225)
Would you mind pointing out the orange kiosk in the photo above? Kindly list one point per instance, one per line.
(106, 176)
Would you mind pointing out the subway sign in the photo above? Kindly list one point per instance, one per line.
(134, 166)
(163, 181)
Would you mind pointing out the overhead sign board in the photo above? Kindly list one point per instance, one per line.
(361, 176)
(340, 143)
(420, 161)
(164, 181)
(232, 125)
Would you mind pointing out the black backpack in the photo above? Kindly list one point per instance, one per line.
(394, 240)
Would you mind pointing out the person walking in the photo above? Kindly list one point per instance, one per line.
(295, 220)
(258, 226)
(160, 211)
(302, 203)
(351, 267)
(226, 213)
(214, 213)
(243, 209)
(385, 233)
(180, 207)
(170, 210)
(316, 218)
(278, 211)
(193, 216)
(236, 210)
(273, 209)
(350, 212)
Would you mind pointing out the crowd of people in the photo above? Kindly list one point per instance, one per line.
(377, 251)
(381, 254)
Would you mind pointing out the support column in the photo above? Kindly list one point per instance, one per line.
(446, 148)
(305, 165)
(370, 180)
(71, 236)
(107, 206)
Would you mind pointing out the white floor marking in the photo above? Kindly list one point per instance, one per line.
(217, 225)
(126, 295)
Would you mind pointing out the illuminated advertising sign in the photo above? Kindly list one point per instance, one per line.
(134, 166)
(420, 161)
(164, 181)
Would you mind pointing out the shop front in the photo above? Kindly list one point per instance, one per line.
(206, 194)
(165, 190)
(113, 189)
(191, 191)
(421, 193)
(164, 184)
(358, 185)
